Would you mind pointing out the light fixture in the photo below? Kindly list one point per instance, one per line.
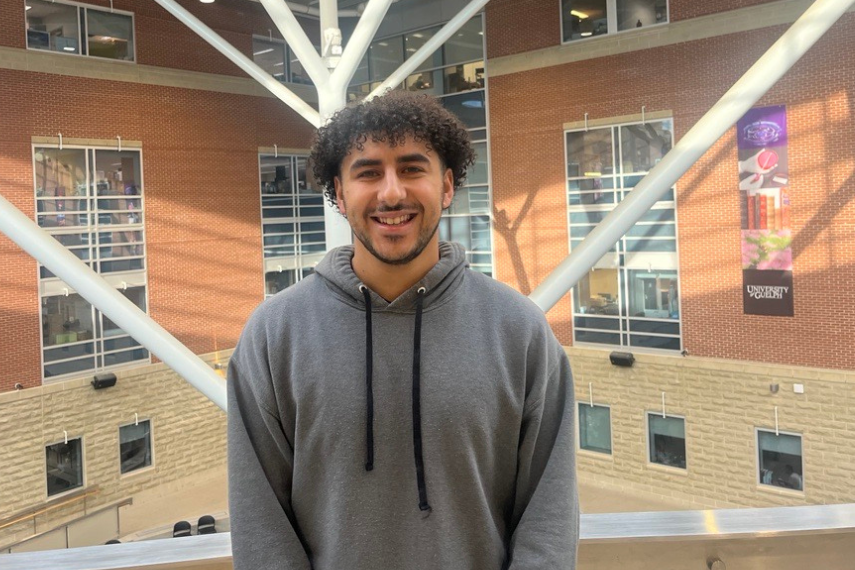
(418, 35)
(206, 1)
(103, 381)
(68, 48)
(586, 34)
(28, 7)
(622, 358)
(262, 52)
(578, 14)
(593, 174)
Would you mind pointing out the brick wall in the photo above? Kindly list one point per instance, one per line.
(723, 402)
(200, 171)
(528, 109)
(188, 431)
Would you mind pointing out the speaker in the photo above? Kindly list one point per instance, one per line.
(104, 381)
(622, 358)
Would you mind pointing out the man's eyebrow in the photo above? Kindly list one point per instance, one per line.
(415, 157)
(363, 162)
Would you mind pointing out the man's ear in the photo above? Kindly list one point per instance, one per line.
(339, 196)
(447, 188)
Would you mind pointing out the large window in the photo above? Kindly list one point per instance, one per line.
(135, 446)
(595, 428)
(455, 75)
(780, 459)
(277, 59)
(67, 27)
(666, 440)
(292, 220)
(64, 466)
(631, 296)
(91, 201)
(587, 18)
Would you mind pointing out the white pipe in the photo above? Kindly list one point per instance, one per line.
(297, 40)
(280, 91)
(430, 46)
(362, 35)
(65, 265)
(771, 66)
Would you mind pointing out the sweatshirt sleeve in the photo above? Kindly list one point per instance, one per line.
(546, 507)
(260, 461)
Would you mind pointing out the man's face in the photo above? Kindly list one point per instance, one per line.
(393, 198)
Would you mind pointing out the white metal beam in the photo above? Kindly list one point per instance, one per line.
(356, 46)
(771, 66)
(119, 309)
(430, 46)
(297, 40)
(250, 67)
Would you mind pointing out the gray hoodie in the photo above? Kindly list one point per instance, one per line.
(436, 437)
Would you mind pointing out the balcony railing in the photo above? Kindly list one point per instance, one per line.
(781, 538)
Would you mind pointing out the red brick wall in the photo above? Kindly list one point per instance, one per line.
(200, 171)
(685, 9)
(527, 111)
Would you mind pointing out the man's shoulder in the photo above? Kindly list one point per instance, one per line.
(290, 300)
(497, 296)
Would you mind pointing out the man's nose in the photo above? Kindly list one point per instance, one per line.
(392, 190)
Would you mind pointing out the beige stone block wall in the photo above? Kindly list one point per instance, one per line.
(723, 403)
(188, 430)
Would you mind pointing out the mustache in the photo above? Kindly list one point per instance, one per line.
(385, 208)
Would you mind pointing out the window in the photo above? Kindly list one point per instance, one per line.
(79, 29)
(292, 221)
(454, 73)
(64, 463)
(595, 428)
(91, 201)
(666, 439)
(780, 460)
(135, 446)
(587, 18)
(277, 59)
(631, 295)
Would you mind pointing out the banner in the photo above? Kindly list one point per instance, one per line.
(767, 258)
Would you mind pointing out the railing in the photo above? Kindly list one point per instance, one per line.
(782, 538)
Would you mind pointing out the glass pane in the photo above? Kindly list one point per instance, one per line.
(66, 319)
(467, 44)
(110, 35)
(426, 82)
(125, 357)
(69, 367)
(597, 293)
(639, 13)
(657, 327)
(134, 294)
(643, 146)
(589, 155)
(415, 40)
(595, 430)
(584, 18)
(602, 323)
(118, 176)
(780, 460)
(361, 75)
(135, 446)
(471, 200)
(270, 56)
(667, 441)
(658, 342)
(276, 175)
(597, 337)
(653, 294)
(52, 27)
(478, 172)
(298, 74)
(64, 462)
(385, 56)
(66, 351)
(276, 281)
(469, 108)
(61, 187)
(463, 77)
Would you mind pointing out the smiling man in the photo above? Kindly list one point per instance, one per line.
(396, 410)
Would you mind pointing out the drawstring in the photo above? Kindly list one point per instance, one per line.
(369, 373)
(417, 406)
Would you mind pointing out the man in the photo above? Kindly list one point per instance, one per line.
(396, 410)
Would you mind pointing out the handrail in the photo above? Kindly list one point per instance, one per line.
(31, 512)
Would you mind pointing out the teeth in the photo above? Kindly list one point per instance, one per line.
(395, 221)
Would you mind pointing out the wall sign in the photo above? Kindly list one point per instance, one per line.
(767, 258)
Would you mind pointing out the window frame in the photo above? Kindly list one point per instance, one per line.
(138, 470)
(593, 452)
(649, 442)
(83, 477)
(757, 476)
(611, 17)
(85, 40)
(120, 280)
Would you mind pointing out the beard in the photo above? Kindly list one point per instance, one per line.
(402, 258)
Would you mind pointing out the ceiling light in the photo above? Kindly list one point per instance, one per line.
(278, 64)
(29, 7)
(206, 1)
(418, 35)
(586, 34)
(593, 174)
(262, 52)
(69, 48)
(383, 44)
(578, 14)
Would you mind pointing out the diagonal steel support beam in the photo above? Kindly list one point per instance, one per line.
(65, 265)
(366, 27)
(297, 40)
(433, 44)
(250, 67)
(771, 66)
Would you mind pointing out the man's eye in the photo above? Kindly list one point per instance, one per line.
(367, 174)
(413, 169)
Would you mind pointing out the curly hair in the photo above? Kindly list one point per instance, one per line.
(390, 119)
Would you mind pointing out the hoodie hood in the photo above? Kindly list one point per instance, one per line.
(336, 270)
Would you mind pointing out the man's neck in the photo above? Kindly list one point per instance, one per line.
(387, 280)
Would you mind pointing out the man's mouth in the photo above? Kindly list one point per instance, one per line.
(396, 221)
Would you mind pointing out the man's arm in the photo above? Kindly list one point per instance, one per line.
(546, 508)
(263, 527)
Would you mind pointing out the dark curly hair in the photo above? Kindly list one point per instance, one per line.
(390, 118)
